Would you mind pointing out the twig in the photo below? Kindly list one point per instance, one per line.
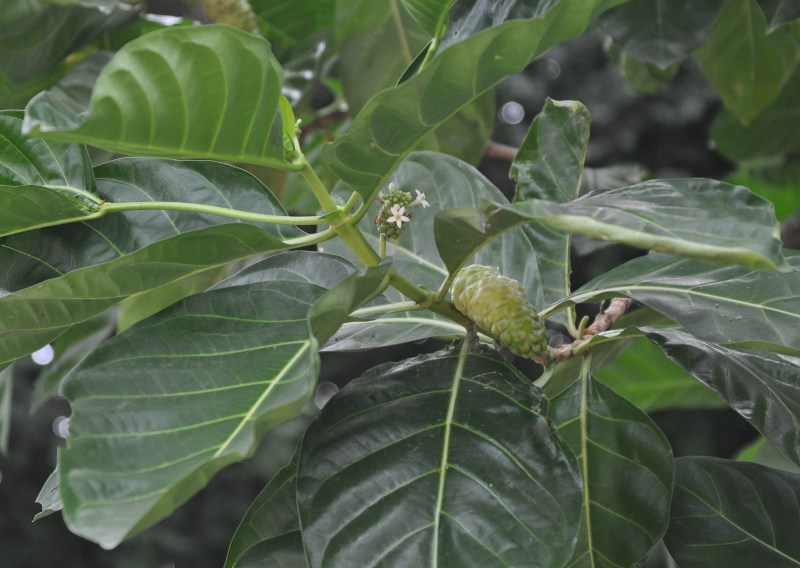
(616, 308)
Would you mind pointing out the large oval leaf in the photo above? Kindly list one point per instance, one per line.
(627, 474)
(205, 92)
(162, 406)
(422, 463)
(734, 514)
(749, 308)
(393, 121)
(761, 386)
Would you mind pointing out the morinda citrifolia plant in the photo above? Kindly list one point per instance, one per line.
(188, 309)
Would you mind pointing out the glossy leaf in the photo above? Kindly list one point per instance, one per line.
(35, 316)
(747, 66)
(549, 165)
(645, 377)
(32, 161)
(243, 359)
(151, 99)
(393, 121)
(734, 305)
(698, 218)
(761, 386)
(320, 269)
(661, 32)
(643, 76)
(627, 474)
(774, 131)
(36, 36)
(269, 534)
(762, 452)
(421, 468)
(288, 22)
(735, 514)
(30, 207)
(392, 329)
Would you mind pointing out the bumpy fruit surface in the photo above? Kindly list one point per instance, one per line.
(498, 304)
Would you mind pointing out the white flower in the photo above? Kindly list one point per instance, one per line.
(392, 186)
(397, 216)
(421, 199)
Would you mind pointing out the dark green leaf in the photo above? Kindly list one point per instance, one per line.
(643, 76)
(661, 32)
(733, 514)
(431, 466)
(69, 349)
(391, 124)
(549, 165)
(75, 88)
(764, 453)
(289, 22)
(36, 36)
(699, 218)
(376, 42)
(391, 329)
(30, 207)
(206, 91)
(779, 12)
(761, 386)
(749, 308)
(646, 378)
(35, 316)
(747, 66)
(32, 161)
(774, 131)
(161, 407)
(320, 269)
(269, 534)
(627, 474)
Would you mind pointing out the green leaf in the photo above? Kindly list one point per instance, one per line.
(69, 349)
(643, 76)
(32, 161)
(734, 305)
(206, 92)
(376, 41)
(733, 514)
(549, 165)
(6, 394)
(236, 361)
(393, 121)
(36, 36)
(762, 452)
(35, 316)
(427, 13)
(662, 32)
(627, 474)
(747, 66)
(646, 378)
(141, 441)
(699, 218)
(392, 329)
(29, 207)
(774, 132)
(49, 497)
(477, 491)
(269, 534)
(289, 22)
(320, 269)
(780, 12)
(446, 182)
(761, 386)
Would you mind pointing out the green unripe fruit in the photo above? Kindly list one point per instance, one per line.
(498, 304)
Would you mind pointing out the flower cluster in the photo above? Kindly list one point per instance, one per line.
(394, 211)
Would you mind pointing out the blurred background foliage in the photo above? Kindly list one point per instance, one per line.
(649, 119)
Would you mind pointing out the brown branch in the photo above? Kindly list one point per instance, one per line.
(604, 320)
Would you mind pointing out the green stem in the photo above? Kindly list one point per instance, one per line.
(386, 309)
(441, 27)
(316, 185)
(106, 208)
(383, 246)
